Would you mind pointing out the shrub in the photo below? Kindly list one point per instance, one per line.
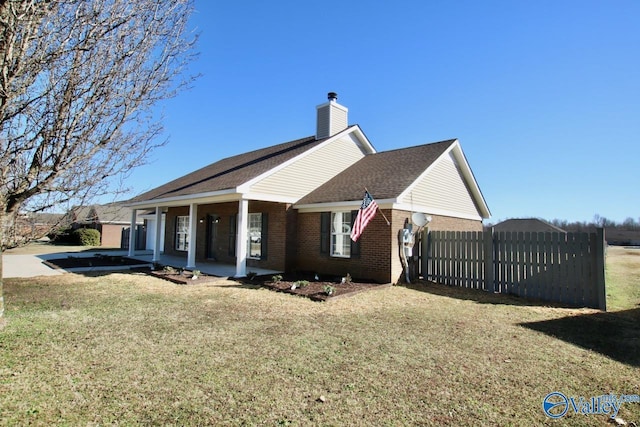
(63, 236)
(329, 290)
(302, 283)
(87, 237)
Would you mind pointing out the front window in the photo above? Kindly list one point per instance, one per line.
(255, 235)
(341, 234)
(182, 233)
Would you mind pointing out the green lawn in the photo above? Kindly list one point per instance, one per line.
(130, 349)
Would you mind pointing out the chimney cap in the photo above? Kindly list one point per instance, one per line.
(332, 96)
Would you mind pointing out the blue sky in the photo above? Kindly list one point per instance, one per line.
(544, 96)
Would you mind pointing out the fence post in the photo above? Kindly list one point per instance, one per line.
(600, 278)
(489, 273)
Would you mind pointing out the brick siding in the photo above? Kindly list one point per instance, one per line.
(278, 215)
(294, 241)
(380, 258)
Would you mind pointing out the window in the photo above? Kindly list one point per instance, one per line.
(182, 233)
(341, 234)
(254, 246)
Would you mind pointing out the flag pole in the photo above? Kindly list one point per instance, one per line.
(379, 210)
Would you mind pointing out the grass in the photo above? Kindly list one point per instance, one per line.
(623, 277)
(132, 349)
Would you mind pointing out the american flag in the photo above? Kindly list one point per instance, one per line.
(366, 213)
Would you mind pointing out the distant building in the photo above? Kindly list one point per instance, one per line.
(112, 220)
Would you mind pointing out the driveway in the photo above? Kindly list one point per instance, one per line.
(28, 261)
(26, 266)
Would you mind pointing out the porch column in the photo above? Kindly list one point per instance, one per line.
(241, 238)
(156, 244)
(193, 225)
(132, 233)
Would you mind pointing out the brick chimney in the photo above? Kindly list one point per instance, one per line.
(331, 117)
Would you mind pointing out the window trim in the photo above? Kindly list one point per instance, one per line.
(344, 234)
(261, 223)
(178, 233)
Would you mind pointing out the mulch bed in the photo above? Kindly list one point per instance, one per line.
(311, 288)
(93, 261)
(181, 278)
(315, 289)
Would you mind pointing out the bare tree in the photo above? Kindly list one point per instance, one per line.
(78, 82)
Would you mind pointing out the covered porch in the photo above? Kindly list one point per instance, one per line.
(207, 267)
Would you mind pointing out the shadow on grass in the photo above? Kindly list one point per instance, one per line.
(479, 296)
(614, 334)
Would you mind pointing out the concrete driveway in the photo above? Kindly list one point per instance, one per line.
(32, 264)
(26, 266)
(29, 262)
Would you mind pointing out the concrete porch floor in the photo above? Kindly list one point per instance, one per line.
(207, 267)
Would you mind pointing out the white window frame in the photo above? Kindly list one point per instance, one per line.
(341, 234)
(182, 233)
(254, 231)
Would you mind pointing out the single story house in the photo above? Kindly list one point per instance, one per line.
(291, 206)
(112, 220)
(531, 225)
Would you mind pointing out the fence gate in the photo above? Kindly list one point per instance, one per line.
(558, 267)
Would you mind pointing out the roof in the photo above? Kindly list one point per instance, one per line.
(231, 172)
(532, 225)
(385, 174)
(110, 213)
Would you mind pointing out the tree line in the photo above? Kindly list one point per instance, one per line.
(629, 224)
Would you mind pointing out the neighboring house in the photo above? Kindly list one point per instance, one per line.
(24, 227)
(112, 220)
(532, 225)
(290, 207)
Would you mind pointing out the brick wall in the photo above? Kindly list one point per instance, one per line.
(276, 232)
(111, 235)
(294, 240)
(372, 264)
(380, 259)
(447, 223)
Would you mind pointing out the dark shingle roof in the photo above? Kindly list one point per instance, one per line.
(105, 214)
(230, 172)
(386, 174)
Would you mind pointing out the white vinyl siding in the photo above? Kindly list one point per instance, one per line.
(311, 171)
(331, 119)
(444, 189)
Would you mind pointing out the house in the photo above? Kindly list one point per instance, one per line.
(23, 227)
(112, 220)
(531, 225)
(290, 207)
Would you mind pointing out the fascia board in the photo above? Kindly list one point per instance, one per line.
(214, 196)
(431, 211)
(269, 198)
(471, 181)
(411, 186)
(336, 206)
(456, 150)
